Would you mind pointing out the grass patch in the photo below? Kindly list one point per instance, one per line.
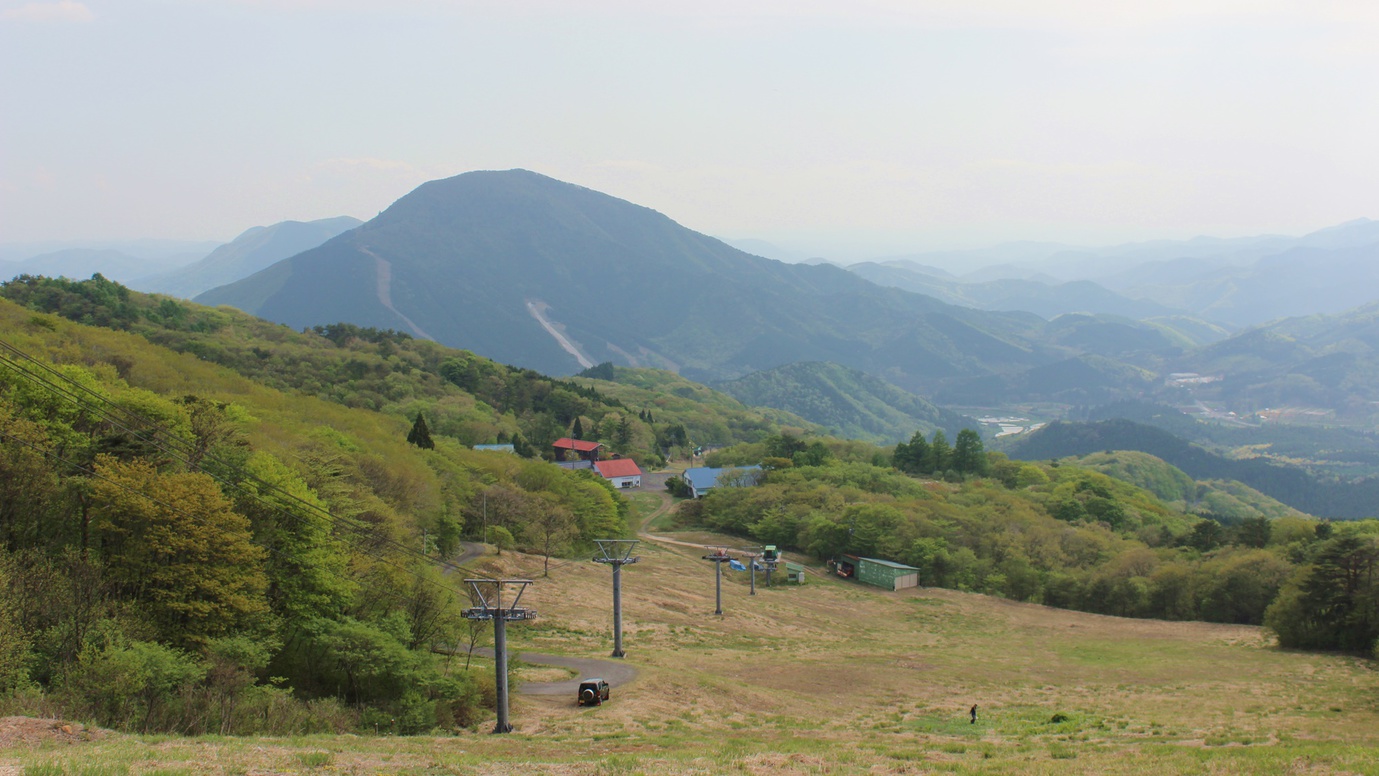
(315, 759)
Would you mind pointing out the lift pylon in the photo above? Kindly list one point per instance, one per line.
(616, 553)
(487, 594)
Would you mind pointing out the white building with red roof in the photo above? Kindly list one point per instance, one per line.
(622, 472)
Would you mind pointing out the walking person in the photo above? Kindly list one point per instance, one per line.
(973, 714)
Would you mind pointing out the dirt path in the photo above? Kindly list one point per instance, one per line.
(657, 489)
(668, 503)
(472, 550)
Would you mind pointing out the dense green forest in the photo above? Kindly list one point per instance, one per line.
(1058, 534)
(183, 548)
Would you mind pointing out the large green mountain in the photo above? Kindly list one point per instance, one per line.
(529, 270)
(849, 402)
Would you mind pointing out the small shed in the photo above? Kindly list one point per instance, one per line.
(794, 573)
(883, 573)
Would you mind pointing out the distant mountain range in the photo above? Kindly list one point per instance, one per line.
(82, 263)
(1314, 362)
(155, 250)
(1040, 297)
(255, 249)
(1233, 281)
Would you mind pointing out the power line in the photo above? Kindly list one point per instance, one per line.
(182, 454)
(97, 475)
(186, 451)
(164, 442)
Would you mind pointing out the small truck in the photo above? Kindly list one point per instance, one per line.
(592, 692)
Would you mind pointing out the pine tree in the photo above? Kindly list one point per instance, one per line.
(939, 453)
(420, 435)
(912, 458)
(578, 431)
(969, 457)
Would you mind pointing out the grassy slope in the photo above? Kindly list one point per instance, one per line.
(834, 677)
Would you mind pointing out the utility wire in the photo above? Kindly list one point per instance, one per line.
(165, 438)
(97, 475)
(359, 529)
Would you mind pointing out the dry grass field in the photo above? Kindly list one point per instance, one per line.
(832, 678)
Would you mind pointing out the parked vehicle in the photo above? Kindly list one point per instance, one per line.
(592, 692)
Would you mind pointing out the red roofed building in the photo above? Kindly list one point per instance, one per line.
(588, 451)
(622, 472)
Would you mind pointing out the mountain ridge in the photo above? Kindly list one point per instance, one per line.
(624, 283)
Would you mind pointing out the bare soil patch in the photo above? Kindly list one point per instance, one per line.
(30, 731)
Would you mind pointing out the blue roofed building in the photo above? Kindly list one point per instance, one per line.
(705, 478)
(496, 448)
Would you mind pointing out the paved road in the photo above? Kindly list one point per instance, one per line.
(615, 672)
(472, 550)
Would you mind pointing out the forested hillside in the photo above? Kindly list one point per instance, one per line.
(184, 548)
(1313, 493)
(1057, 534)
(848, 402)
(1225, 501)
(461, 395)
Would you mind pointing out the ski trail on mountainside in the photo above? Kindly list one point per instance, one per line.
(385, 292)
(535, 308)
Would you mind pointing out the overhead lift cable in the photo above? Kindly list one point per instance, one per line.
(153, 499)
(170, 443)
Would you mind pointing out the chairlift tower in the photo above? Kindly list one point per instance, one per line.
(719, 557)
(616, 553)
(488, 593)
(752, 554)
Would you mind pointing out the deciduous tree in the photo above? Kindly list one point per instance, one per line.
(172, 542)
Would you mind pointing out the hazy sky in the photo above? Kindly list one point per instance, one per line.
(840, 128)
